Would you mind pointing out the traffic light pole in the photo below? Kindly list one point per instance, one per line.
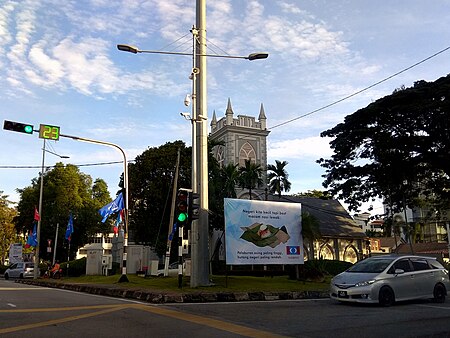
(38, 229)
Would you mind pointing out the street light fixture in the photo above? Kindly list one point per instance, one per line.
(135, 50)
(199, 232)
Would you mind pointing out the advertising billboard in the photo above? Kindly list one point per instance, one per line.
(262, 232)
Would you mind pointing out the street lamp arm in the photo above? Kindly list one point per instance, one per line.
(60, 156)
(135, 50)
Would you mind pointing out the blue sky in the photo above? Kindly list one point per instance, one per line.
(59, 65)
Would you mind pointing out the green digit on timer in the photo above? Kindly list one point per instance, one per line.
(55, 133)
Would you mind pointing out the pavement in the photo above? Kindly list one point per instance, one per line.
(158, 297)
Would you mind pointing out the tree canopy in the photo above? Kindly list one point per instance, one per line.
(151, 179)
(65, 190)
(396, 148)
(7, 231)
(250, 176)
(278, 177)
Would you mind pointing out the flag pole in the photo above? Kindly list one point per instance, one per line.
(56, 241)
(68, 258)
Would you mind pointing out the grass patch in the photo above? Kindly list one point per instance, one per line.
(218, 283)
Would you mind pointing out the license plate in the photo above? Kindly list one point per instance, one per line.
(342, 294)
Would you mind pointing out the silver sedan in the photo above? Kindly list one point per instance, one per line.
(390, 278)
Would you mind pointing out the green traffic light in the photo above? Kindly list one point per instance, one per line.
(182, 217)
(28, 129)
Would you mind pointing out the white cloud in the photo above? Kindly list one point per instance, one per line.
(307, 148)
(290, 8)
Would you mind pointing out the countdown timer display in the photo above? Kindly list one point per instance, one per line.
(49, 132)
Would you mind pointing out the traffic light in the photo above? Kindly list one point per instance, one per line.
(181, 209)
(193, 207)
(19, 127)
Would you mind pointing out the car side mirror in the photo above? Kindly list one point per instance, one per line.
(399, 271)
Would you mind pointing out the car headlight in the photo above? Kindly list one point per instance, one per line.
(365, 283)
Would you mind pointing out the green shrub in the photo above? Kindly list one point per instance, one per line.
(3, 268)
(333, 267)
(317, 269)
(77, 267)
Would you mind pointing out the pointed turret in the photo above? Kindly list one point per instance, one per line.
(229, 113)
(262, 118)
(214, 120)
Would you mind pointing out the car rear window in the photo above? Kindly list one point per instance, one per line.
(435, 264)
(420, 264)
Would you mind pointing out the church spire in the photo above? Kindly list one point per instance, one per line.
(214, 120)
(262, 117)
(229, 113)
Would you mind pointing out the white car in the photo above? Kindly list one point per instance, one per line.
(389, 278)
(20, 270)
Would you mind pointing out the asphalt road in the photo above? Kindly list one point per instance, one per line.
(30, 311)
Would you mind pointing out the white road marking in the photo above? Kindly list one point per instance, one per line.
(12, 305)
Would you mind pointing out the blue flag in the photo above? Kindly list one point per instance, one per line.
(32, 237)
(69, 229)
(112, 207)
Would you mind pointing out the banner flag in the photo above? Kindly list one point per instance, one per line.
(69, 229)
(112, 207)
(37, 217)
(32, 238)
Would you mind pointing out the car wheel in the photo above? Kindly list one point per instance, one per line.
(439, 293)
(386, 296)
(6, 276)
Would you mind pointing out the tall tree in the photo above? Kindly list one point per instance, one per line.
(230, 179)
(215, 187)
(151, 178)
(7, 231)
(250, 176)
(396, 148)
(278, 178)
(310, 231)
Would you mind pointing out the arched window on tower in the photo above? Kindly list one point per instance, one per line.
(246, 153)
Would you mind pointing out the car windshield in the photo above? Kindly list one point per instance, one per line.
(371, 265)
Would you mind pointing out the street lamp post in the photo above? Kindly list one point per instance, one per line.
(199, 231)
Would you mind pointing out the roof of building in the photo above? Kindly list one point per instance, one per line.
(334, 220)
(432, 248)
(389, 242)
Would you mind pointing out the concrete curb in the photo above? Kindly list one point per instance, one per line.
(156, 297)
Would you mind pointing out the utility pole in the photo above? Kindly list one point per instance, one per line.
(199, 232)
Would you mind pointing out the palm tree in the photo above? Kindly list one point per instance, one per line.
(250, 176)
(230, 178)
(310, 230)
(278, 178)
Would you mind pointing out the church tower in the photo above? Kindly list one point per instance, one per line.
(243, 138)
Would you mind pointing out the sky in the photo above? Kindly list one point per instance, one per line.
(60, 66)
